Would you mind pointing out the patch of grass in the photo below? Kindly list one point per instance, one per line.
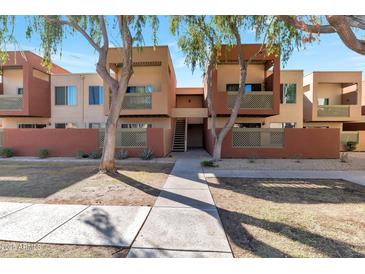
(29, 250)
(209, 163)
(291, 218)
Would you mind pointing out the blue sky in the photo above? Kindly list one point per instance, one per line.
(78, 56)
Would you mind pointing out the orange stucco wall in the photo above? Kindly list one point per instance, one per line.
(66, 142)
(316, 143)
(59, 142)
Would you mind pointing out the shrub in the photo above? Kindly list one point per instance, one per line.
(351, 146)
(209, 163)
(6, 152)
(147, 154)
(96, 154)
(122, 154)
(43, 153)
(80, 155)
(344, 157)
(252, 159)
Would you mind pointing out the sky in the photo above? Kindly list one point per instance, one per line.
(79, 57)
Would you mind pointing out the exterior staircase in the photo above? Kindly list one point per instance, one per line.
(179, 144)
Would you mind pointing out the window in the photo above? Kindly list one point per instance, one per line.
(248, 87)
(323, 101)
(96, 95)
(141, 89)
(282, 125)
(66, 96)
(247, 125)
(288, 93)
(96, 125)
(136, 125)
(60, 125)
(32, 125)
(20, 91)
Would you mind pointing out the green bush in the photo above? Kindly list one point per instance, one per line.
(147, 154)
(43, 153)
(80, 155)
(209, 163)
(96, 154)
(351, 146)
(122, 154)
(6, 152)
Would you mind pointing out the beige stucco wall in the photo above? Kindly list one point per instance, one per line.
(12, 80)
(327, 84)
(82, 113)
(290, 113)
(154, 68)
(229, 74)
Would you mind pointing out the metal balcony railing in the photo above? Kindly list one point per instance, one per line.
(257, 137)
(252, 100)
(333, 111)
(137, 101)
(11, 102)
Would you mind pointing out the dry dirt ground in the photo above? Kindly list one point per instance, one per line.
(356, 161)
(136, 184)
(29, 250)
(291, 218)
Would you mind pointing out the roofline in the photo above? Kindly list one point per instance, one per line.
(333, 71)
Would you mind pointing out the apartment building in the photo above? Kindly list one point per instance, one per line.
(158, 115)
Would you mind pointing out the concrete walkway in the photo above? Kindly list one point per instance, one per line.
(71, 224)
(184, 221)
(353, 176)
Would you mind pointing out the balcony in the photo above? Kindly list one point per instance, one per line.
(257, 138)
(252, 100)
(137, 101)
(11, 102)
(189, 112)
(333, 111)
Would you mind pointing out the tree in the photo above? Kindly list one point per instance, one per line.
(201, 37)
(344, 25)
(97, 31)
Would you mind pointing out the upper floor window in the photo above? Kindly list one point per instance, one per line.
(96, 95)
(288, 93)
(323, 101)
(282, 125)
(248, 87)
(32, 125)
(20, 91)
(141, 89)
(66, 96)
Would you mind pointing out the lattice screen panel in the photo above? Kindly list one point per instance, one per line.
(250, 137)
(127, 138)
(11, 102)
(253, 100)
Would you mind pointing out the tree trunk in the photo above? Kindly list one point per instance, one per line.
(218, 139)
(118, 91)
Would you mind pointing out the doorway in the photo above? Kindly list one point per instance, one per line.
(195, 136)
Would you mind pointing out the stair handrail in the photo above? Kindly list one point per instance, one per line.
(185, 135)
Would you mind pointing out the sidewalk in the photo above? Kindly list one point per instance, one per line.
(353, 176)
(71, 224)
(184, 221)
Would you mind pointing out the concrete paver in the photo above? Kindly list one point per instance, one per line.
(195, 198)
(182, 229)
(9, 208)
(34, 222)
(101, 225)
(163, 253)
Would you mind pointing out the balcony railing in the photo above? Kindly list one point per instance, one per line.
(257, 137)
(11, 102)
(333, 111)
(137, 101)
(257, 99)
(127, 137)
